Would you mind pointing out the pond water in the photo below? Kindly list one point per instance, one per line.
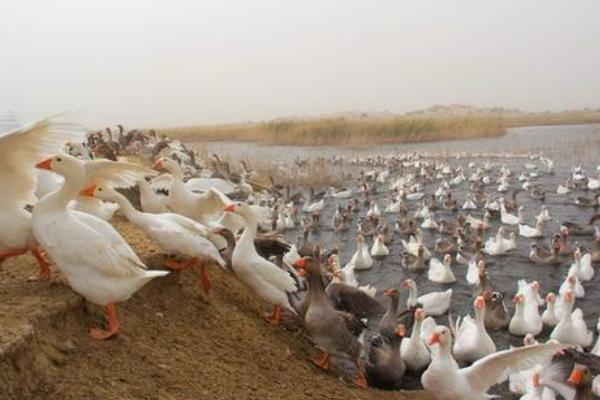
(567, 145)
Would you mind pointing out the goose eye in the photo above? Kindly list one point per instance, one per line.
(58, 159)
(99, 189)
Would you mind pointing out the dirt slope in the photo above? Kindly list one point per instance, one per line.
(175, 343)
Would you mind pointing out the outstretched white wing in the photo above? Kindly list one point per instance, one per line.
(22, 147)
(489, 370)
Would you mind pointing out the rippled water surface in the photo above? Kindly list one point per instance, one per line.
(567, 145)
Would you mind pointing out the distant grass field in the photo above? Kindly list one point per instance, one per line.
(348, 131)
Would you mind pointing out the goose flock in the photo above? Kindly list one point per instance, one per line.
(336, 259)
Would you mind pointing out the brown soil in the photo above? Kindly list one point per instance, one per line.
(175, 343)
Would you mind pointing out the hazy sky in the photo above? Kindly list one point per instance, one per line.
(178, 62)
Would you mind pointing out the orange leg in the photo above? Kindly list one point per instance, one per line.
(11, 253)
(175, 265)
(361, 381)
(276, 317)
(324, 361)
(204, 281)
(113, 324)
(44, 268)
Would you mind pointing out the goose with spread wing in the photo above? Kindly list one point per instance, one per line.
(95, 258)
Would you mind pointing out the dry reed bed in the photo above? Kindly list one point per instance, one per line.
(346, 131)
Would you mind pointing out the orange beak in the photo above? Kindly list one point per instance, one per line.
(230, 208)
(300, 263)
(434, 339)
(401, 330)
(88, 191)
(158, 165)
(536, 380)
(576, 376)
(46, 164)
(479, 302)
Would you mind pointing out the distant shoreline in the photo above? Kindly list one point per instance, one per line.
(376, 131)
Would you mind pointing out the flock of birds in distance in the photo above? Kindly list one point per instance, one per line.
(61, 184)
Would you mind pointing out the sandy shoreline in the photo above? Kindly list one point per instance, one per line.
(175, 343)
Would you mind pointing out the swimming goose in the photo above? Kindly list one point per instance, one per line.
(433, 304)
(440, 272)
(265, 279)
(571, 329)
(582, 229)
(499, 245)
(21, 147)
(412, 263)
(414, 244)
(582, 266)
(413, 350)
(361, 259)
(332, 330)
(379, 249)
(174, 233)
(446, 381)
(529, 232)
(524, 322)
(511, 219)
(472, 341)
(496, 313)
(549, 317)
(97, 261)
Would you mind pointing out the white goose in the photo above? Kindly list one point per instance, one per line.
(379, 249)
(511, 219)
(97, 261)
(549, 317)
(571, 329)
(582, 266)
(361, 259)
(414, 243)
(440, 272)
(499, 245)
(446, 381)
(150, 201)
(267, 280)
(204, 208)
(529, 232)
(596, 348)
(524, 322)
(20, 149)
(413, 350)
(469, 204)
(174, 233)
(433, 303)
(472, 340)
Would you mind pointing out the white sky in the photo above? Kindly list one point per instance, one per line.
(178, 62)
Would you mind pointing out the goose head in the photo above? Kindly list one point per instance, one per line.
(61, 164)
(419, 314)
(479, 304)
(167, 164)
(518, 300)
(550, 298)
(99, 191)
(580, 375)
(440, 335)
(568, 297)
(447, 260)
(391, 293)
(241, 209)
